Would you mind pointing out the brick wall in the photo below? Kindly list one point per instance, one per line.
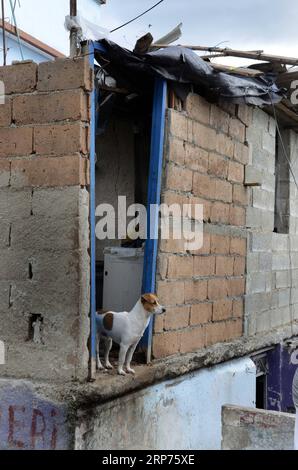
(272, 258)
(44, 133)
(205, 158)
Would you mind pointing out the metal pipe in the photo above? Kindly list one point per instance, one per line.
(3, 33)
(73, 32)
(92, 222)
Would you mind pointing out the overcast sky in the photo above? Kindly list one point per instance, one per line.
(244, 24)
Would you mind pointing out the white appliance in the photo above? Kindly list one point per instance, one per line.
(122, 280)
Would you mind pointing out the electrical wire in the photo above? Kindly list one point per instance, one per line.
(17, 30)
(282, 143)
(139, 16)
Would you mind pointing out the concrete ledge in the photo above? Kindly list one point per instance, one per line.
(109, 386)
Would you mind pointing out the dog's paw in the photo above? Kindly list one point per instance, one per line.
(109, 366)
(99, 367)
(121, 372)
(130, 371)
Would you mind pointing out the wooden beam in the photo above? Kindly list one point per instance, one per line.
(255, 55)
(237, 70)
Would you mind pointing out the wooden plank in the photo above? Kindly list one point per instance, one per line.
(255, 55)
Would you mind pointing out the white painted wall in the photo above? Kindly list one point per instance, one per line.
(179, 414)
(45, 19)
(13, 52)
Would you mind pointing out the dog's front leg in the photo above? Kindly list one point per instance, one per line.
(129, 355)
(99, 365)
(109, 343)
(122, 356)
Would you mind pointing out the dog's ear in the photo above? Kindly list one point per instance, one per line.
(148, 298)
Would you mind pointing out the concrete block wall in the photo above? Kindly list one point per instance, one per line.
(254, 429)
(272, 258)
(203, 290)
(44, 210)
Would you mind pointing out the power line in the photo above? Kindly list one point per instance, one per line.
(139, 16)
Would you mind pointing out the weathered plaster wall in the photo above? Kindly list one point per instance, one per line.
(272, 258)
(251, 429)
(205, 158)
(178, 414)
(44, 204)
(30, 421)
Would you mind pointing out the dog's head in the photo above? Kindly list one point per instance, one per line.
(151, 304)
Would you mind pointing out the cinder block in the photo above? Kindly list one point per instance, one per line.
(175, 150)
(203, 186)
(65, 74)
(14, 264)
(45, 108)
(15, 205)
(219, 119)
(237, 129)
(224, 145)
(204, 136)
(58, 299)
(259, 219)
(268, 143)
(179, 178)
(195, 291)
(222, 309)
(261, 242)
(236, 172)
(60, 139)
(263, 322)
(223, 190)
(4, 234)
(252, 262)
(196, 158)
(253, 176)
(265, 261)
(56, 202)
(176, 318)
(5, 114)
(180, 267)
(244, 113)
(218, 166)
(177, 124)
(197, 108)
(16, 141)
(43, 233)
(50, 172)
(280, 261)
(4, 173)
(220, 213)
(284, 297)
(171, 293)
(200, 313)
(19, 78)
(4, 299)
(192, 339)
(217, 289)
(55, 266)
(280, 242)
(203, 266)
(241, 153)
(165, 344)
(263, 199)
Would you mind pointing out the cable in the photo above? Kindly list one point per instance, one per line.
(17, 30)
(139, 16)
(282, 143)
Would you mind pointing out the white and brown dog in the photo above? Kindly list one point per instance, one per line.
(126, 329)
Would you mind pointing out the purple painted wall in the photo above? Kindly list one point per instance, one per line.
(279, 380)
(29, 421)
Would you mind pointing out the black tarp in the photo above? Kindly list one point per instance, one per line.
(181, 65)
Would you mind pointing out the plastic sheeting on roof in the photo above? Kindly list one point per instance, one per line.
(182, 65)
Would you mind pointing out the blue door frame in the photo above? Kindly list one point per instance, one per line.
(153, 201)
